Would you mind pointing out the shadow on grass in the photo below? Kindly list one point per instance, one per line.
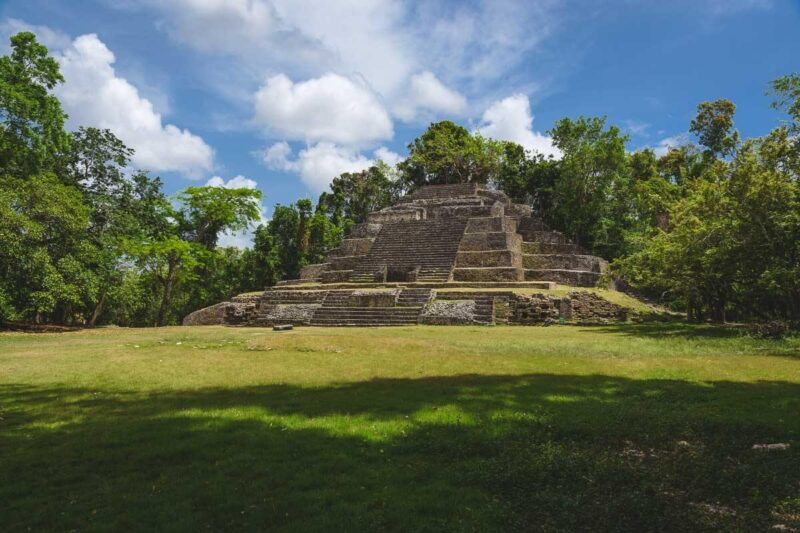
(675, 330)
(530, 452)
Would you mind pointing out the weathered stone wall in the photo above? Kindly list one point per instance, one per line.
(591, 307)
(295, 314)
(540, 309)
(207, 316)
(449, 313)
(313, 272)
(447, 307)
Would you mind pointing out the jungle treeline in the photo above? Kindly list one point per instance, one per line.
(709, 227)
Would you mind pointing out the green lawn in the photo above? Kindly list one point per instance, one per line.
(615, 428)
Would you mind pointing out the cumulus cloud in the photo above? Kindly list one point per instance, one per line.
(387, 156)
(236, 182)
(331, 108)
(384, 41)
(244, 238)
(316, 165)
(53, 39)
(427, 94)
(363, 37)
(510, 119)
(94, 95)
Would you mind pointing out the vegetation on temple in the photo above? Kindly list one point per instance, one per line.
(711, 228)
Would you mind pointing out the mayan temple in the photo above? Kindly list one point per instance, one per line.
(456, 233)
(444, 254)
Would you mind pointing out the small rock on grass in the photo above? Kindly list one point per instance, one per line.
(771, 447)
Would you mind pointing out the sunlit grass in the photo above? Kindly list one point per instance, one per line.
(409, 428)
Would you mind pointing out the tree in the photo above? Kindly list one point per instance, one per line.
(42, 225)
(592, 184)
(208, 211)
(528, 178)
(732, 242)
(32, 135)
(787, 90)
(359, 193)
(324, 236)
(448, 153)
(713, 125)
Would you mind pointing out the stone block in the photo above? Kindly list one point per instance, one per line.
(336, 276)
(562, 262)
(465, 211)
(363, 230)
(491, 224)
(344, 262)
(577, 278)
(355, 246)
(479, 242)
(207, 316)
(391, 216)
(313, 272)
(488, 274)
(492, 258)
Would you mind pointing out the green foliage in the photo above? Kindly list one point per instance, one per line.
(356, 194)
(448, 153)
(294, 238)
(713, 125)
(732, 240)
(32, 135)
(208, 211)
(787, 91)
(593, 183)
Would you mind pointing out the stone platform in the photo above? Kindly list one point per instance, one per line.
(408, 263)
(407, 305)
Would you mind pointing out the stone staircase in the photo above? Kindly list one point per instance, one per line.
(412, 297)
(380, 308)
(403, 247)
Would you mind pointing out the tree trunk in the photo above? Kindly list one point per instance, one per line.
(98, 309)
(169, 281)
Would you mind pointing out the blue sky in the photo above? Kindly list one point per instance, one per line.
(285, 94)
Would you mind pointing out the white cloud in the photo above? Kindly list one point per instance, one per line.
(385, 42)
(94, 95)
(244, 238)
(304, 37)
(236, 182)
(510, 119)
(478, 43)
(427, 93)
(316, 165)
(674, 141)
(387, 156)
(52, 39)
(277, 155)
(331, 108)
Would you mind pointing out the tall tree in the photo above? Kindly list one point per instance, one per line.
(32, 135)
(360, 193)
(592, 183)
(448, 153)
(713, 125)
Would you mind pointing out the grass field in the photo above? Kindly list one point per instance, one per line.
(614, 428)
